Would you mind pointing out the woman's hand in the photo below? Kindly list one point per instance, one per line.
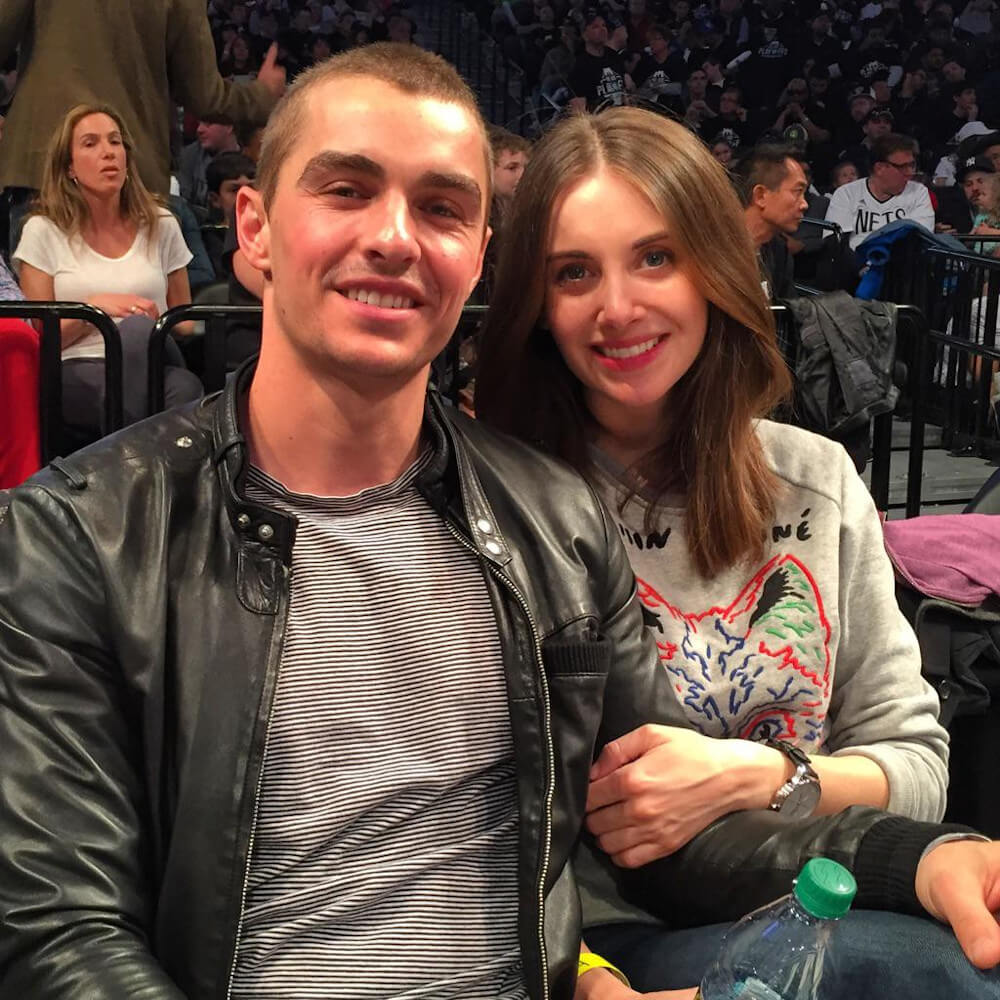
(655, 788)
(601, 985)
(122, 306)
(983, 230)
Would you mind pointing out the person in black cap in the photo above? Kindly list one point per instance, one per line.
(878, 122)
(849, 129)
(598, 75)
(976, 178)
(961, 108)
(989, 146)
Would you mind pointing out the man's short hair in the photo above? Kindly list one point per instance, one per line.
(884, 146)
(228, 167)
(503, 140)
(766, 164)
(407, 67)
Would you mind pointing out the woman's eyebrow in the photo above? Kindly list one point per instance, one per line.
(663, 234)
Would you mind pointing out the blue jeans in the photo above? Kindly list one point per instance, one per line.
(875, 955)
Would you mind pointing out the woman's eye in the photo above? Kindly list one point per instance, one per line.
(571, 272)
(655, 258)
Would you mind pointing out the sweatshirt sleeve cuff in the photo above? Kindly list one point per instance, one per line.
(885, 865)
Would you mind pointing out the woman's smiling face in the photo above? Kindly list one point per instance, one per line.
(624, 312)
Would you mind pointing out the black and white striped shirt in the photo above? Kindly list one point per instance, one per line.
(384, 860)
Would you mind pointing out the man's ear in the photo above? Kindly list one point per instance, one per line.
(213, 199)
(253, 230)
(758, 196)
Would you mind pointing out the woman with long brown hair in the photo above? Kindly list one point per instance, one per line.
(629, 334)
(98, 236)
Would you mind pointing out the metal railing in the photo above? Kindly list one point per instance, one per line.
(49, 315)
(449, 373)
(501, 85)
(960, 293)
(215, 318)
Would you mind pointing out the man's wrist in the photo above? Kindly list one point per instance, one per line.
(951, 838)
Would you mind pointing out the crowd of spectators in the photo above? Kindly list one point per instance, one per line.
(830, 77)
(885, 111)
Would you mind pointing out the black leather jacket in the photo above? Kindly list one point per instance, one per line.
(142, 611)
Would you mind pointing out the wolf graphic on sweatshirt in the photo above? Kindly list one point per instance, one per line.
(805, 643)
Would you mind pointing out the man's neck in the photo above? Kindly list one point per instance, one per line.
(328, 437)
(876, 188)
(761, 231)
(595, 50)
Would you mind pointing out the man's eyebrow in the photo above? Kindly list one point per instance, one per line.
(461, 183)
(330, 161)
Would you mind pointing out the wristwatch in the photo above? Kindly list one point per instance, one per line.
(798, 797)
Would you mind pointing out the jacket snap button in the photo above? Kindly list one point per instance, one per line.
(484, 526)
(265, 532)
(184, 442)
(492, 546)
(243, 521)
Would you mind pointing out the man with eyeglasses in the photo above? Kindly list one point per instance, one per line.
(888, 194)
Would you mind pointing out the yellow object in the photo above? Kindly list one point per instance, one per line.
(588, 961)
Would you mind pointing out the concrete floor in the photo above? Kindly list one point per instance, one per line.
(948, 481)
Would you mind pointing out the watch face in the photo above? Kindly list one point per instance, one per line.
(802, 800)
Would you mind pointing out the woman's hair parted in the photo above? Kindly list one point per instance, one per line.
(60, 199)
(709, 449)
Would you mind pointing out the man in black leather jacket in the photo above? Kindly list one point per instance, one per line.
(146, 594)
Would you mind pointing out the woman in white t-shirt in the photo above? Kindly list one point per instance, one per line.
(98, 236)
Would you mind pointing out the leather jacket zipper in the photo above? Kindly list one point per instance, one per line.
(510, 586)
(256, 807)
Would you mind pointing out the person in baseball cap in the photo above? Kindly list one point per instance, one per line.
(988, 145)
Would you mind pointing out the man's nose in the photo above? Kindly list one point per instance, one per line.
(392, 237)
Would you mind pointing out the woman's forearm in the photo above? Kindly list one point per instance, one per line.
(72, 330)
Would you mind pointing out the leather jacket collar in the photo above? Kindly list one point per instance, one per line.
(448, 482)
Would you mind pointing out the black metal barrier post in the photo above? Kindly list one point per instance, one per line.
(50, 314)
(214, 317)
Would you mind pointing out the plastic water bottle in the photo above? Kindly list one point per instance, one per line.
(777, 952)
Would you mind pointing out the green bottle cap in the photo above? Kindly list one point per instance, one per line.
(825, 889)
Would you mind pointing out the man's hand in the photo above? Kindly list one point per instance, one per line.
(271, 74)
(656, 787)
(959, 883)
